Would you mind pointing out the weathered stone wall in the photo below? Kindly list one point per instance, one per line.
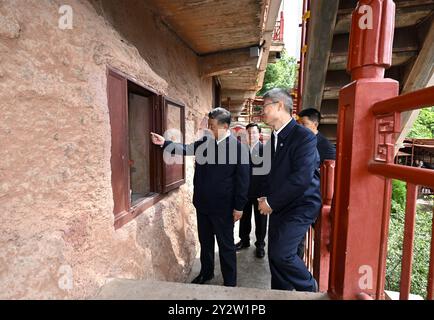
(56, 201)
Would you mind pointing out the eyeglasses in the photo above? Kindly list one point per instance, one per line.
(273, 102)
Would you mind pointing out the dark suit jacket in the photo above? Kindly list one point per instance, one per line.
(325, 149)
(293, 181)
(219, 186)
(257, 181)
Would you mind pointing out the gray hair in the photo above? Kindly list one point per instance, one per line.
(221, 115)
(278, 94)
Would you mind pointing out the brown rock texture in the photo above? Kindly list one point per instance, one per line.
(56, 200)
(9, 26)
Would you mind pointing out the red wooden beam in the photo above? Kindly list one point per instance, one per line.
(371, 48)
(408, 245)
(304, 28)
(410, 101)
(384, 239)
(419, 176)
(321, 263)
(359, 204)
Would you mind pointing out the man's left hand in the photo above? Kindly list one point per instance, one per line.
(237, 215)
(264, 208)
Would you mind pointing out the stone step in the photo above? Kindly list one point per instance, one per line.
(123, 289)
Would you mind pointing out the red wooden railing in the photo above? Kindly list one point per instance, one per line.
(317, 248)
(304, 25)
(321, 267)
(355, 216)
(279, 29)
(388, 115)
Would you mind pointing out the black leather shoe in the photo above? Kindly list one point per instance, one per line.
(200, 279)
(260, 253)
(241, 245)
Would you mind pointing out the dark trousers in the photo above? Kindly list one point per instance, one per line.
(301, 247)
(246, 224)
(221, 227)
(285, 232)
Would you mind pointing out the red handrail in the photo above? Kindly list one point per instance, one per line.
(408, 245)
(419, 176)
(406, 102)
(369, 121)
(388, 113)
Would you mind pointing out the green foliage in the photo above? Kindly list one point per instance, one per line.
(422, 242)
(281, 74)
(424, 125)
(398, 197)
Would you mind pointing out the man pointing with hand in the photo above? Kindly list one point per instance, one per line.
(221, 183)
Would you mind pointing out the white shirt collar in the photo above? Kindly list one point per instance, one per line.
(252, 147)
(228, 133)
(282, 127)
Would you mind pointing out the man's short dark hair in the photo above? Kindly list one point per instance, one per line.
(312, 114)
(278, 94)
(251, 125)
(221, 115)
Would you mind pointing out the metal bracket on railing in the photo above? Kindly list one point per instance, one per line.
(386, 126)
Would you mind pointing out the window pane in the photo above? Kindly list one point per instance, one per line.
(139, 129)
(174, 132)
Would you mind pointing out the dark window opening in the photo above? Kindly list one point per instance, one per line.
(140, 104)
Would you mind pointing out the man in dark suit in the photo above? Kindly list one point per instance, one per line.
(293, 197)
(221, 182)
(311, 118)
(255, 191)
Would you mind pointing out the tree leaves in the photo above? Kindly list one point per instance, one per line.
(423, 128)
(281, 74)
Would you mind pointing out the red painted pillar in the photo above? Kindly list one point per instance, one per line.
(304, 31)
(356, 263)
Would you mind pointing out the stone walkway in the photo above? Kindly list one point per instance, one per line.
(252, 272)
(253, 283)
(122, 289)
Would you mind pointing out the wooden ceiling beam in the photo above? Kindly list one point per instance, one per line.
(339, 61)
(320, 38)
(226, 62)
(237, 95)
(408, 13)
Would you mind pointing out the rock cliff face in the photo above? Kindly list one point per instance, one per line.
(57, 237)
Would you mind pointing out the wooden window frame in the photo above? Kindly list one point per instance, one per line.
(124, 212)
(174, 185)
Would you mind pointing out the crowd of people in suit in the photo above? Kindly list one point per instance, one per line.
(279, 182)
